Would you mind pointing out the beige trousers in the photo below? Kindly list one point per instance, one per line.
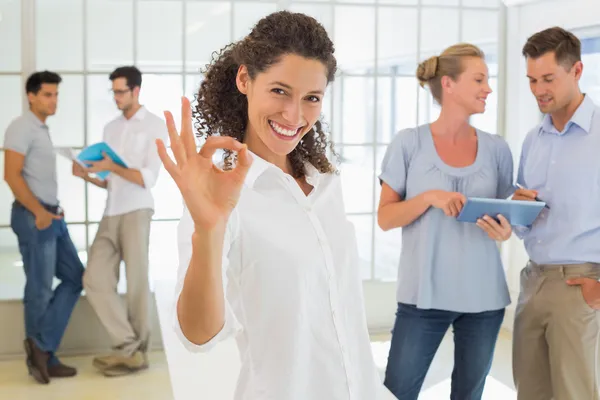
(121, 238)
(555, 337)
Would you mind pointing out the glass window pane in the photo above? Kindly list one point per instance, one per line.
(163, 250)
(109, 44)
(322, 13)
(11, 98)
(397, 106)
(402, 2)
(356, 171)
(353, 108)
(192, 86)
(59, 48)
(77, 233)
(387, 244)
(6, 196)
(481, 28)
(208, 29)
(12, 281)
(429, 110)
(387, 253)
(96, 202)
(482, 3)
(444, 20)
(10, 35)
(247, 14)
(590, 81)
(440, 2)
(326, 110)
(101, 108)
(397, 40)
(363, 226)
(380, 154)
(71, 191)
(66, 126)
(159, 35)
(355, 48)
(168, 203)
(489, 119)
(162, 92)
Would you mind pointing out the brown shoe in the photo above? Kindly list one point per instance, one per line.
(37, 362)
(61, 370)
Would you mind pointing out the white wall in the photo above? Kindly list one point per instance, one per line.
(522, 113)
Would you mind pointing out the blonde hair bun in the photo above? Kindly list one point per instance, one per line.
(427, 70)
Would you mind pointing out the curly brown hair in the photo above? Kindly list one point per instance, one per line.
(223, 110)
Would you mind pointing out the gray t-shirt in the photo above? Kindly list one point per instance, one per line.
(29, 136)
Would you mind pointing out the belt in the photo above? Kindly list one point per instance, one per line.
(48, 207)
(564, 270)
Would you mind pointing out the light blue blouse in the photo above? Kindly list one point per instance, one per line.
(446, 264)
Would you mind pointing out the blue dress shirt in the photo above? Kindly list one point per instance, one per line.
(564, 167)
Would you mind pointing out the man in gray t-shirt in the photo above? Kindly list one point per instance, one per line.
(37, 220)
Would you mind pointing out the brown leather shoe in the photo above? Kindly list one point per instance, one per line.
(37, 362)
(61, 370)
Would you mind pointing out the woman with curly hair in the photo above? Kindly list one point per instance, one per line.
(266, 253)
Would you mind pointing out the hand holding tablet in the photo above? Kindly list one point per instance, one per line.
(516, 212)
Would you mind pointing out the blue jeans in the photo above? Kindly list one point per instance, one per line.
(416, 337)
(47, 253)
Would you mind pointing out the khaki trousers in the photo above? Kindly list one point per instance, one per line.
(121, 238)
(555, 338)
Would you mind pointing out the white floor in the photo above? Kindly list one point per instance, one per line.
(182, 375)
(155, 383)
(499, 385)
(151, 384)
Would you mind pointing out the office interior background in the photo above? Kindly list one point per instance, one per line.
(378, 46)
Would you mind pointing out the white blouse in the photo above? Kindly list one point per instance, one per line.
(293, 291)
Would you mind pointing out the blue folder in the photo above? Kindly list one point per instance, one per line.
(94, 153)
(517, 212)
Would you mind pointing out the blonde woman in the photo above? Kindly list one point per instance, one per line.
(450, 272)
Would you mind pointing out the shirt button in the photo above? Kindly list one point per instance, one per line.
(539, 241)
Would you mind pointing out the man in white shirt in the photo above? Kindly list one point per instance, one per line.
(123, 233)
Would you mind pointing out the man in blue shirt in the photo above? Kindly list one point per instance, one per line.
(557, 322)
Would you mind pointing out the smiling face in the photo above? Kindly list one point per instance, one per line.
(471, 88)
(284, 102)
(553, 85)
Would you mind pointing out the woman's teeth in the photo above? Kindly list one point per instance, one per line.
(285, 132)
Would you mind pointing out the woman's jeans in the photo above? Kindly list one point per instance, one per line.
(416, 337)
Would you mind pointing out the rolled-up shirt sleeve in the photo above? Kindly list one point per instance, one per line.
(152, 162)
(231, 327)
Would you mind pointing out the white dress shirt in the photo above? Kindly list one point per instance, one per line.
(134, 141)
(293, 291)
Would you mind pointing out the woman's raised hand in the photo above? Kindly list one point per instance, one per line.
(210, 193)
